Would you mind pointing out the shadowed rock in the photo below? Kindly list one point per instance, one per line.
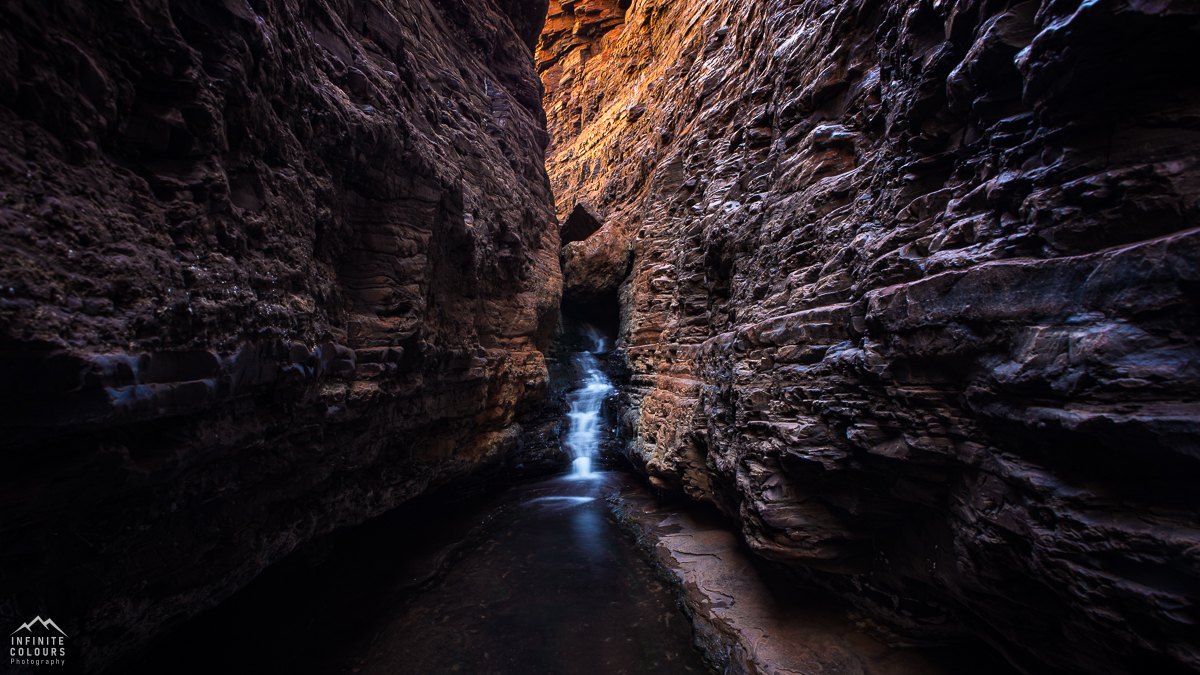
(268, 269)
(578, 226)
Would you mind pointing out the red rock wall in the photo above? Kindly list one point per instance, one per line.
(912, 293)
(268, 268)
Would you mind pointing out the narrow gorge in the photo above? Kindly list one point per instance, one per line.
(601, 336)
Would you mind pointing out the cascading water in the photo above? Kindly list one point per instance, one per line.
(583, 439)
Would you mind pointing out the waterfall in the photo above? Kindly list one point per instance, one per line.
(583, 439)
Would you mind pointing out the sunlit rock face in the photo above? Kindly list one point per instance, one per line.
(912, 293)
(268, 268)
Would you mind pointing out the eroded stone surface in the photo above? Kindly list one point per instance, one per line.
(913, 296)
(267, 268)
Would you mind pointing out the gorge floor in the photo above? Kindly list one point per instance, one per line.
(537, 579)
(541, 578)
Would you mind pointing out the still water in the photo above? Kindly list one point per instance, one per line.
(555, 589)
(538, 580)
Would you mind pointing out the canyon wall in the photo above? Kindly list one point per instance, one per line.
(910, 290)
(268, 268)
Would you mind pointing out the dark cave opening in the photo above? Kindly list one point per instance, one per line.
(601, 311)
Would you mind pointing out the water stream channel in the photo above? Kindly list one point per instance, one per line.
(554, 588)
(537, 579)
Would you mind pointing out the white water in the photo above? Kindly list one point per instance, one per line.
(583, 439)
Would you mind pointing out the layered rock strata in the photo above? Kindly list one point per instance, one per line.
(910, 289)
(268, 268)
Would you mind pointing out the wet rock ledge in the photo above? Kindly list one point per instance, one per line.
(747, 623)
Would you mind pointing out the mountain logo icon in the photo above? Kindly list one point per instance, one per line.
(46, 623)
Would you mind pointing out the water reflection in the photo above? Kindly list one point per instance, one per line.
(571, 500)
(556, 589)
